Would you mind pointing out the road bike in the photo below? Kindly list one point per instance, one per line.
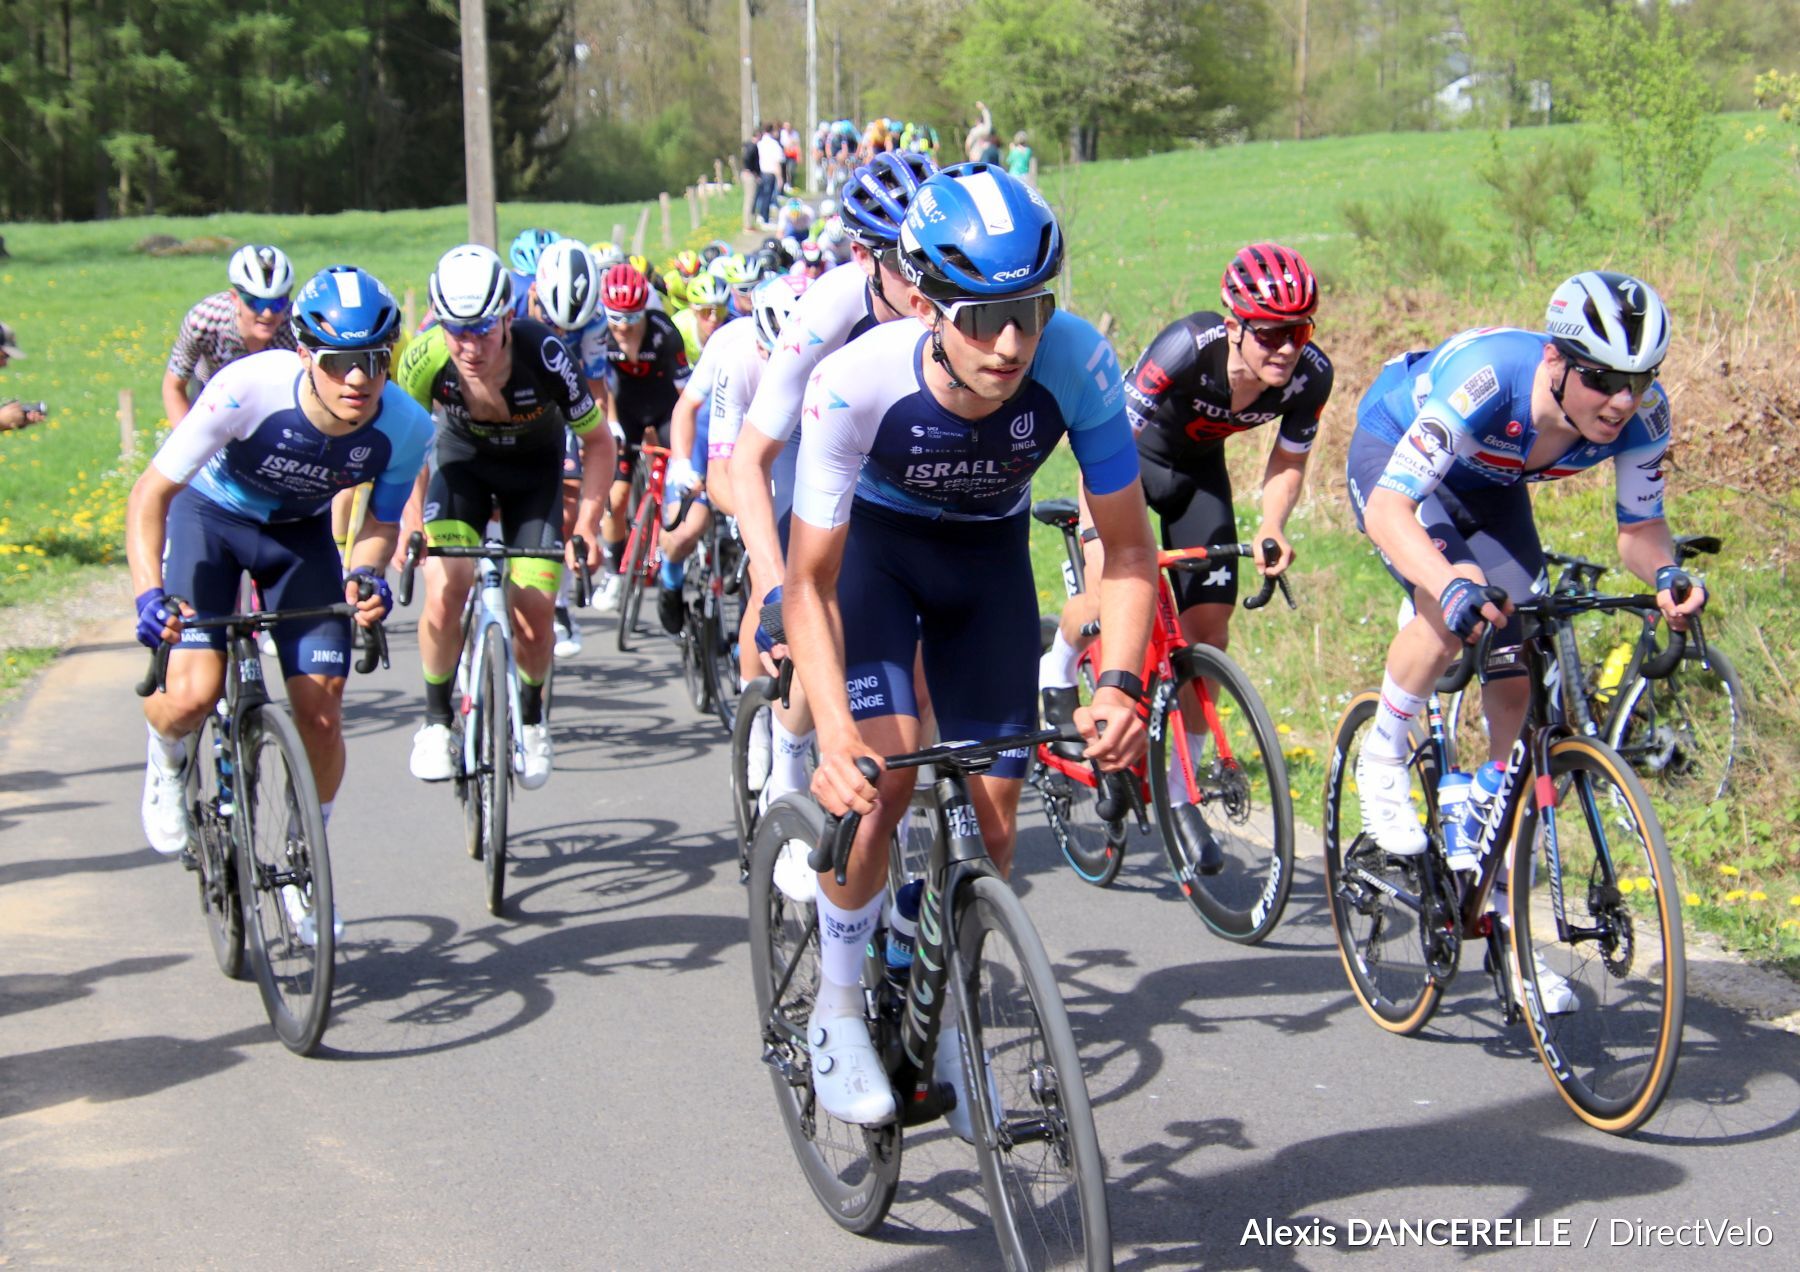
(491, 746)
(1573, 894)
(1237, 782)
(713, 598)
(642, 558)
(258, 845)
(1012, 1058)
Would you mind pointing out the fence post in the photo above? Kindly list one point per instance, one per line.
(719, 171)
(618, 236)
(127, 430)
(693, 209)
(409, 310)
(637, 240)
(662, 201)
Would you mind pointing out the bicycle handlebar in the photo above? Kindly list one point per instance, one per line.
(417, 550)
(687, 501)
(156, 676)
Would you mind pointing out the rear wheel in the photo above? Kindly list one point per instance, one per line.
(1683, 733)
(211, 809)
(719, 632)
(693, 661)
(853, 1170)
(750, 759)
(1394, 945)
(493, 769)
(1241, 778)
(284, 879)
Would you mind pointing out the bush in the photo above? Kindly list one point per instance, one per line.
(1407, 239)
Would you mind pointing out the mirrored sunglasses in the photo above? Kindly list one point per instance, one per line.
(339, 363)
(1273, 336)
(1610, 383)
(264, 304)
(471, 330)
(624, 320)
(986, 319)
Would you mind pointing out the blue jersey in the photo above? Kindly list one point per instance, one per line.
(247, 446)
(873, 431)
(1460, 415)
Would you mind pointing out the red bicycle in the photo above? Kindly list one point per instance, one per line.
(643, 547)
(1228, 828)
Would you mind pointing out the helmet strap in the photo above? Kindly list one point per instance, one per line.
(313, 388)
(1559, 388)
(940, 357)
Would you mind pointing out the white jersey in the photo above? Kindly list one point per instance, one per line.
(730, 368)
(834, 311)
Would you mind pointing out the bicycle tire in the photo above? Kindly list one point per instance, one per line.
(758, 700)
(854, 1171)
(1613, 1056)
(1379, 939)
(1247, 804)
(909, 850)
(693, 669)
(282, 843)
(1039, 1153)
(1669, 730)
(493, 772)
(215, 865)
(719, 658)
(632, 581)
(1094, 849)
(473, 716)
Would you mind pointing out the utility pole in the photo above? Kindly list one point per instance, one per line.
(837, 74)
(1300, 78)
(746, 109)
(810, 123)
(478, 129)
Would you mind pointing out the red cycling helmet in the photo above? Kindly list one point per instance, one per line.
(1266, 282)
(623, 290)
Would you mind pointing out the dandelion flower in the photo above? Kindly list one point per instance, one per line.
(1730, 872)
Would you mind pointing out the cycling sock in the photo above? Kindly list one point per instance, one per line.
(531, 701)
(325, 807)
(1178, 789)
(843, 934)
(615, 556)
(673, 572)
(168, 754)
(1056, 669)
(1389, 738)
(789, 772)
(437, 700)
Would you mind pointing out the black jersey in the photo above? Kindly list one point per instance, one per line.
(544, 392)
(646, 387)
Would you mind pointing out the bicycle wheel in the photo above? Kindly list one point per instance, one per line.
(1388, 953)
(210, 808)
(853, 1170)
(493, 772)
(1035, 1141)
(1684, 731)
(719, 650)
(633, 579)
(1094, 849)
(693, 662)
(284, 879)
(1613, 1053)
(1245, 800)
(909, 851)
(474, 715)
(755, 712)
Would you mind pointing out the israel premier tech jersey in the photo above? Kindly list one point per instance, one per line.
(247, 446)
(872, 431)
(1460, 415)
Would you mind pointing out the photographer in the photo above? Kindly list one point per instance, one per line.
(15, 414)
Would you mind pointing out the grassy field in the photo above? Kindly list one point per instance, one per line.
(1148, 239)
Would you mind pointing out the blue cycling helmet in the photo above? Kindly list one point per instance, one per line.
(975, 230)
(343, 307)
(528, 246)
(877, 194)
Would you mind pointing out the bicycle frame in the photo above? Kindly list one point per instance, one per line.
(488, 610)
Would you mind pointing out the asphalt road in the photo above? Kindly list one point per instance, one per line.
(578, 1084)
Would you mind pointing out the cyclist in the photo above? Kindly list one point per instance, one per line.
(840, 307)
(503, 388)
(1445, 440)
(1204, 378)
(526, 250)
(706, 311)
(658, 290)
(648, 369)
(244, 483)
(910, 532)
(245, 318)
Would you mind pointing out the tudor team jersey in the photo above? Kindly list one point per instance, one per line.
(248, 447)
(874, 432)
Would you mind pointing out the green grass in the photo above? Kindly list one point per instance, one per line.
(18, 666)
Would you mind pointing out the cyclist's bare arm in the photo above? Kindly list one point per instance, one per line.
(1284, 476)
(175, 397)
(752, 466)
(1644, 548)
(599, 456)
(1127, 591)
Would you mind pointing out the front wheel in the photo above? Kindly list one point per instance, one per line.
(284, 880)
(1094, 849)
(211, 808)
(633, 581)
(1240, 777)
(493, 770)
(1039, 1153)
(751, 757)
(853, 1170)
(1683, 732)
(1604, 980)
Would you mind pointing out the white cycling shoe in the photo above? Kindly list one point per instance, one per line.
(539, 756)
(1385, 789)
(946, 1066)
(759, 754)
(568, 635)
(847, 1075)
(606, 596)
(798, 881)
(165, 812)
(1554, 994)
(306, 926)
(434, 753)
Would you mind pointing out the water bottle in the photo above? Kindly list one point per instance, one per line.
(1452, 795)
(1612, 671)
(902, 934)
(1475, 809)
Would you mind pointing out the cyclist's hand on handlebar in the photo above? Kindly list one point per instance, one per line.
(377, 605)
(1467, 610)
(158, 619)
(1114, 732)
(681, 475)
(1678, 614)
(1281, 563)
(591, 537)
(838, 784)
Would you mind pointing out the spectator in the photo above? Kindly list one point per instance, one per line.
(990, 149)
(14, 413)
(769, 153)
(1019, 159)
(790, 157)
(749, 172)
(973, 143)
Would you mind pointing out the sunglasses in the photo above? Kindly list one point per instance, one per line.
(715, 312)
(1274, 336)
(1609, 383)
(339, 363)
(470, 330)
(624, 320)
(264, 304)
(986, 319)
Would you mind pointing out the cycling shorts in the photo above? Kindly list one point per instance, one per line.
(464, 492)
(1492, 528)
(635, 424)
(964, 589)
(295, 565)
(1194, 505)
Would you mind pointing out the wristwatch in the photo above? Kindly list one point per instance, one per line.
(1126, 682)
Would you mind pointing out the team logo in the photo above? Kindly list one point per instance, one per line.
(1022, 426)
(1514, 428)
(1151, 378)
(1440, 545)
(1007, 275)
(358, 454)
(1430, 438)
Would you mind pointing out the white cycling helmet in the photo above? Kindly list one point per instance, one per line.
(568, 284)
(1610, 320)
(773, 302)
(827, 208)
(606, 255)
(470, 284)
(259, 270)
